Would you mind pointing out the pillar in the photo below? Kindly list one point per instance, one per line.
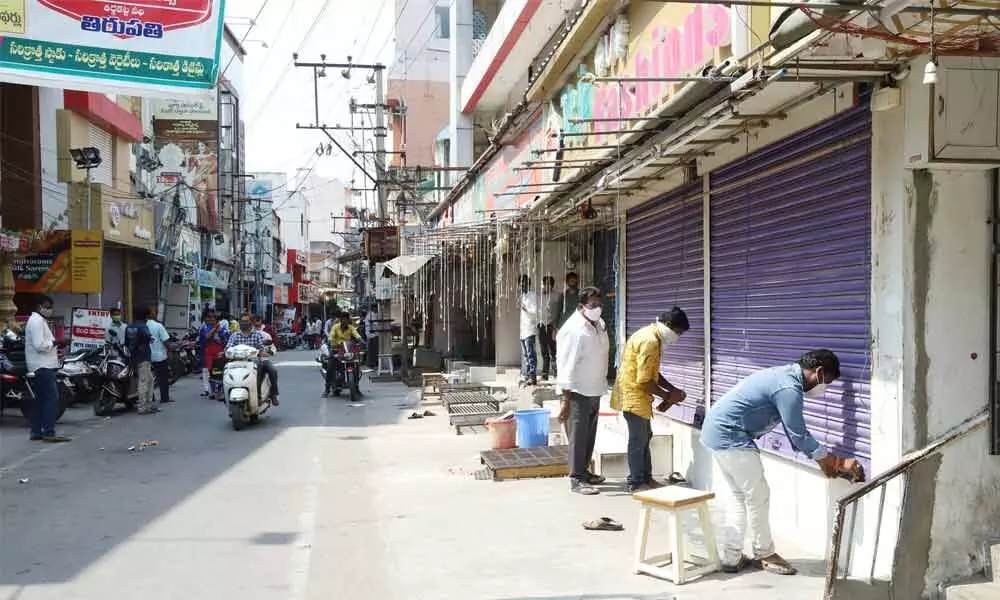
(460, 59)
(7, 307)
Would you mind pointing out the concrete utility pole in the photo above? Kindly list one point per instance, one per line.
(381, 177)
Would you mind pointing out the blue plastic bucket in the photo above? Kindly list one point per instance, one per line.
(532, 427)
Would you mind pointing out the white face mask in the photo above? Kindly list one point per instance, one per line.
(816, 392)
(667, 335)
(592, 314)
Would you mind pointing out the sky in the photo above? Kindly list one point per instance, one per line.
(277, 95)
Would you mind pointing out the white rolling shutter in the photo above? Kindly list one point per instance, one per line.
(102, 140)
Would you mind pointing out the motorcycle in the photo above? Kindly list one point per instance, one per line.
(16, 384)
(350, 356)
(120, 384)
(246, 390)
(81, 376)
(287, 340)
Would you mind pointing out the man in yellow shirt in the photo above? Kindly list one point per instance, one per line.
(638, 380)
(343, 331)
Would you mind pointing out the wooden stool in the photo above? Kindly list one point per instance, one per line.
(430, 389)
(675, 500)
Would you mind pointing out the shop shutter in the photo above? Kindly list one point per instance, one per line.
(663, 258)
(790, 271)
(102, 140)
(112, 276)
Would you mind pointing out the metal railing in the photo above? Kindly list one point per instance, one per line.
(851, 501)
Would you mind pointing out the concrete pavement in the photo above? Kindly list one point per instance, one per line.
(321, 500)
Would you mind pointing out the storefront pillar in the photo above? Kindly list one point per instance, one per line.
(127, 292)
(7, 307)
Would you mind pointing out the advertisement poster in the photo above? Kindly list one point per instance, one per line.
(86, 259)
(88, 328)
(186, 141)
(45, 268)
(164, 46)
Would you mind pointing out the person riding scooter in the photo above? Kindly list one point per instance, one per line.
(249, 336)
(342, 331)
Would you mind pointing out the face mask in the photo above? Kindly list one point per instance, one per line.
(592, 313)
(116, 319)
(816, 392)
(667, 335)
(245, 327)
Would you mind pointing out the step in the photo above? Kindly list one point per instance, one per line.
(995, 562)
(973, 591)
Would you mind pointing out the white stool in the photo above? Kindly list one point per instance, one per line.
(385, 366)
(674, 501)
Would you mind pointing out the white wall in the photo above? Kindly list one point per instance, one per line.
(54, 198)
(419, 54)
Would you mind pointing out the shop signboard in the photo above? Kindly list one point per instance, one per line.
(280, 294)
(87, 258)
(88, 328)
(207, 279)
(44, 266)
(128, 222)
(189, 247)
(186, 134)
(135, 47)
(381, 243)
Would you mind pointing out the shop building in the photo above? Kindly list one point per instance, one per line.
(789, 197)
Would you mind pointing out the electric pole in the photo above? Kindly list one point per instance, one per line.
(381, 177)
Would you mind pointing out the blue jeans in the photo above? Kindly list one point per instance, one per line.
(528, 354)
(43, 412)
(640, 461)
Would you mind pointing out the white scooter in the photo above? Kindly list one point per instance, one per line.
(246, 399)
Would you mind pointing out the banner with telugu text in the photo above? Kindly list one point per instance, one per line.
(144, 46)
(87, 257)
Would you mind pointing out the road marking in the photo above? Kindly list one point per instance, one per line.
(302, 558)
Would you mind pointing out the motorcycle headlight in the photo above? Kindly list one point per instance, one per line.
(348, 355)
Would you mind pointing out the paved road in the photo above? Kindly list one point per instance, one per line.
(321, 500)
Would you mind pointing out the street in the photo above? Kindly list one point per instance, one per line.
(319, 500)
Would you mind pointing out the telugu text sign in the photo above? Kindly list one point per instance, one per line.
(135, 45)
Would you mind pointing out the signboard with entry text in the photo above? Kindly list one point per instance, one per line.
(88, 328)
(124, 46)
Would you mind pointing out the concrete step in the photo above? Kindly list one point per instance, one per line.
(995, 562)
(984, 590)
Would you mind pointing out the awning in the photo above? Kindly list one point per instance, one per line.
(407, 265)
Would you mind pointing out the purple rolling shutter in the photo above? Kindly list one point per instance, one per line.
(790, 271)
(663, 258)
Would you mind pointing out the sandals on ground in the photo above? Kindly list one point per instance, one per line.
(603, 524)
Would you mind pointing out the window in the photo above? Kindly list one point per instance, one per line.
(442, 22)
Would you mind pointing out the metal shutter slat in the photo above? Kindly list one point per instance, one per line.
(791, 267)
(664, 261)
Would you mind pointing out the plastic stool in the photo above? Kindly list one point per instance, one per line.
(674, 500)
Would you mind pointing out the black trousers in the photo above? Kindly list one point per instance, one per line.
(267, 369)
(584, 411)
(334, 374)
(547, 346)
(161, 371)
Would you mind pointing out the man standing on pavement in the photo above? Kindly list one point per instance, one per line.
(116, 331)
(139, 343)
(528, 307)
(158, 337)
(569, 299)
(546, 325)
(638, 380)
(42, 357)
(745, 413)
(582, 363)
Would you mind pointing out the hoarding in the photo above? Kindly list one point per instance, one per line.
(88, 328)
(87, 257)
(186, 142)
(128, 47)
(45, 266)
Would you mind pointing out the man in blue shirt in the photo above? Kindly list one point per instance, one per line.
(745, 413)
(158, 337)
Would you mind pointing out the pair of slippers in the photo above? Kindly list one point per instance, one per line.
(417, 415)
(603, 524)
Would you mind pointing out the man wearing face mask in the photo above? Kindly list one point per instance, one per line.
(528, 305)
(745, 413)
(255, 338)
(116, 331)
(582, 365)
(569, 299)
(42, 358)
(638, 381)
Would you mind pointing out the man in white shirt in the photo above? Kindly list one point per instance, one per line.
(547, 301)
(42, 357)
(582, 348)
(528, 306)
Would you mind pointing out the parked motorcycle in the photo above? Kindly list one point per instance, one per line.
(81, 375)
(287, 340)
(247, 391)
(16, 384)
(120, 384)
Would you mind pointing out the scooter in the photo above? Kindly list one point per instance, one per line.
(246, 390)
(81, 376)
